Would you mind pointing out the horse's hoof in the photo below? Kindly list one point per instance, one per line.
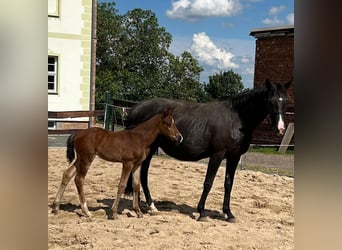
(231, 219)
(140, 215)
(203, 219)
(153, 212)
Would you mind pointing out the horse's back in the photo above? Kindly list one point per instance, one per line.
(89, 138)
(206, 127)
(146, 109)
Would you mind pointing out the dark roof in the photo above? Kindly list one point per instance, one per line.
(273, 31)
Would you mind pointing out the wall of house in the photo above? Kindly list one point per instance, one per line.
(69, 38)
(274, 59)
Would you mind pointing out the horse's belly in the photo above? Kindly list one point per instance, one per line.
(184, 153)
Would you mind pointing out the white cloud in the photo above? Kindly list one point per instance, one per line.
(209, 54)
(276, 10)
(249, 71)
(193, 10)
(273, 21)
(242, 50)
(245, 60)
(290, 18)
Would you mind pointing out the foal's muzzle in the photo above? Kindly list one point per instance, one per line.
(178, 138)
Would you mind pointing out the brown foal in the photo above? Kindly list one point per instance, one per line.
(127, 146)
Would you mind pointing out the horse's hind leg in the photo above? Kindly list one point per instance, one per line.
(82, 170)
(126, 170)
(231, 165)
(67, 175)
(136, 190)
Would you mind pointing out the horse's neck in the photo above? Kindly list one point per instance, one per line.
(252, 111)
(149, 130)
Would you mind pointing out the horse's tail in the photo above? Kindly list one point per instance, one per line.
(70, 153)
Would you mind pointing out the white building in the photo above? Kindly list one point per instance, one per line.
(70, 69)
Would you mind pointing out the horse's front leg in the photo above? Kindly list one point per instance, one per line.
(126, 170)
(231, 165)
(144, 180)
(136, 189)
(214, 163)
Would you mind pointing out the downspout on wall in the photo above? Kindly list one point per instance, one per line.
(93, 62)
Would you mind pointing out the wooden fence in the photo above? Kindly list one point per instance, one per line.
(71, 114)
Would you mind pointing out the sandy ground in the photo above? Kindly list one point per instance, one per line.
(262, 203)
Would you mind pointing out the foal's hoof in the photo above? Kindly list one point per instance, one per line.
(87, 214)
(55, 211)
(140, 215)
(114, 217)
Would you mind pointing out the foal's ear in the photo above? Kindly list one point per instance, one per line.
(167, 112)
(288, 84)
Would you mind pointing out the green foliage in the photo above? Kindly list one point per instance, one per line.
(223, 84)
(133, 61)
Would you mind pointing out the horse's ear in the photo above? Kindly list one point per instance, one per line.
(288, 84)
(268, 83)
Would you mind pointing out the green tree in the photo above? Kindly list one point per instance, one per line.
(223, 84)
(133, 61)
(181, 78)
(108, 43)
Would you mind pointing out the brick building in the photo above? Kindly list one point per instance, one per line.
(274, 59)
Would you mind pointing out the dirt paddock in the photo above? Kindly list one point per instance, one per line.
(262, 203)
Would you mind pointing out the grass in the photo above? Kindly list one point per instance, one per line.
(266, 170)
(269, 150)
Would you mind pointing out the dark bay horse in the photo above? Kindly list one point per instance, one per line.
(220, 129)
(127, 146)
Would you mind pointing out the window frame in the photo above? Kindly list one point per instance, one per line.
(53, 8)
(54, 74)
(52, 125)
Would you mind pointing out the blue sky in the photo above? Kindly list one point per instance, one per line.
(216, 32)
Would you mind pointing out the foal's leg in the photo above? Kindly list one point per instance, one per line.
(82, 170)
(136, 190)
(126, 170)
(67, 175)
(214, 163)
(231, 165)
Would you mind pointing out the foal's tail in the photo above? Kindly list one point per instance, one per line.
(70, 153)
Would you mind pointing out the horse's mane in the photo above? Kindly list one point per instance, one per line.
(245, 97)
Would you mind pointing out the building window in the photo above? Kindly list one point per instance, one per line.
(53, 8)
(51, 125)
(52, 74)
